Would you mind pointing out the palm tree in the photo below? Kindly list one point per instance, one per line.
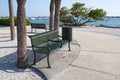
(52, 6)
(57, 13)
(21, 35)
(11, 12)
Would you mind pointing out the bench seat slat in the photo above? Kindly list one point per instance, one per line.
(38, 26)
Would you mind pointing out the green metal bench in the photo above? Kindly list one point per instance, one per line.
(44, 43)
(38, 26)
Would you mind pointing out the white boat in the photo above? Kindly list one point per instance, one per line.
(39, 17)
(33, 18)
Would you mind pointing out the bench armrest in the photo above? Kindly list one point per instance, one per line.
(56, 40)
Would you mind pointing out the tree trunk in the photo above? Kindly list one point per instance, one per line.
(21, 35)
(57, 13)
(52, 6)
(11, 13)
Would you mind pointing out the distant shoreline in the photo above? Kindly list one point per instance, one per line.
(108, 26)
(88, 26)
(80, 27)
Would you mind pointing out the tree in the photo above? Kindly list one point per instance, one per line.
(66, 17)
(21, 35)
(82, 15)
(57, 13)
(52, 6)
(11, 13)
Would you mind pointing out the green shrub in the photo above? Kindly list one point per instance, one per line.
(27, 22)
(6, 21)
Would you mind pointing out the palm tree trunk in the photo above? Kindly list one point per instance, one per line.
(52, 6)
(57, 13)
(21, 35)
(11, 13)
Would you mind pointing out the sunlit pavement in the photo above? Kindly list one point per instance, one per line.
(99, 58)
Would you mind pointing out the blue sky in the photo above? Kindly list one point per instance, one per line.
(41, 7)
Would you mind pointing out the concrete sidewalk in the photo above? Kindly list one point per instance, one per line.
(99, 58)
(60, 60)
(94, 56)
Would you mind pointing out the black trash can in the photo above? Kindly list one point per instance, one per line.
(67, 33)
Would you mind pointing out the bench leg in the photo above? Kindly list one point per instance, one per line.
(35, 29)
(69, 46)
(34, 58)
(61, 44)
(31, 30)
(45, 29)
(48, 62)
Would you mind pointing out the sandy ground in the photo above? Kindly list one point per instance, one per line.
(8, 59)
(8, 53)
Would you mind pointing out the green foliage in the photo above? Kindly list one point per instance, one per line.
(97, 14)
(64, 11)
(80, 15)
(65, 16)
(28, 22)
(77, 9)
(6, 21)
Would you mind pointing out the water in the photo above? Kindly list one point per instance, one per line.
(109, 21)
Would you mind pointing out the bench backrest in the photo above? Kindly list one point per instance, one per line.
(41, 38)
(38, 25)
